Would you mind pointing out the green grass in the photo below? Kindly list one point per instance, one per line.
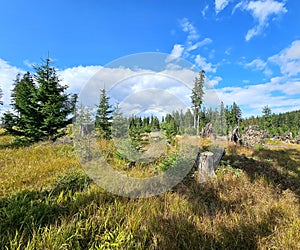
(47, 202)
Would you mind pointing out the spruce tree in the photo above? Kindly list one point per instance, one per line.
(23, 122)
(236, 114)
(197, 96)
(41, 106)
(266, 122)
(170, 127)
(222, 119)
(104, 116)
(55, 105)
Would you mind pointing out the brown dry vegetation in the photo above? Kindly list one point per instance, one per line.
(47, 202)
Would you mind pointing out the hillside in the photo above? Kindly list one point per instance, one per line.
(47, 202)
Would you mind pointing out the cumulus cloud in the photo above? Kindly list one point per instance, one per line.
(255, 97)
(261, 11)
(211, 83)
(7, 76)
(259, 65)
(203, 64)
(288, 59)
(77, 77)
(176, 53)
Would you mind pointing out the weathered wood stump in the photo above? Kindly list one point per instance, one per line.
(207, 131)
(86, 128)
(205, 167)
(234, 136)
(207, 163)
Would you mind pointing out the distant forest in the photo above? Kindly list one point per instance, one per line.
(276, 124)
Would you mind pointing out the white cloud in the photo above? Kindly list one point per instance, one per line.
(228, 51)
(214, 81)
(192, 43)
(288, 59)
(203, 12)
(202, 64)
(220, 5)
(77, 77)
(255, 97)
(257, 64)
(204, 42)
(261, 11)
(190, 29)
(176, 53)
(260, 65)
(7, 76)
(28, 63)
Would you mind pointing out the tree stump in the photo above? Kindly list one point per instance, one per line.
(208, 130)
(206, 167)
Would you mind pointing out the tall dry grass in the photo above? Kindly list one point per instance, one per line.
(47, 202)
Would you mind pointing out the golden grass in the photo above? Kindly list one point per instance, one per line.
(33, 167)
(252, 204)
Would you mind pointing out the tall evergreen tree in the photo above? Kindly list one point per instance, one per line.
(266, 122)
(55, 105)
(41, 106)
(197, 98)
(223, 128)
(27, 121)
(236, 114)
(104, 115)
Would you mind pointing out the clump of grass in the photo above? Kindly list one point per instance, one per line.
(258, 147)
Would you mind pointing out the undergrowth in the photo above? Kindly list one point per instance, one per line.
(48, 202)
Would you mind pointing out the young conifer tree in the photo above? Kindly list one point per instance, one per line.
(104, 112)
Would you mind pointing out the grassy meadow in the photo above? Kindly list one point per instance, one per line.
(48, 202)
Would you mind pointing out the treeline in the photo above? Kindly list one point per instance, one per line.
(42, 109)
(110, 121)
(276, 124)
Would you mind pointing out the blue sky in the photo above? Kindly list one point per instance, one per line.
(250, 50)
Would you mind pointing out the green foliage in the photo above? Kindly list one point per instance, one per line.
(71, 181)
(167, 162)
(104, 116)
(258, 147)
(154, 123)
(137, 134)
(276, 124)
(29, 210)
(170, 128)
(41, 106)
(119, 125)
(236, 172)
